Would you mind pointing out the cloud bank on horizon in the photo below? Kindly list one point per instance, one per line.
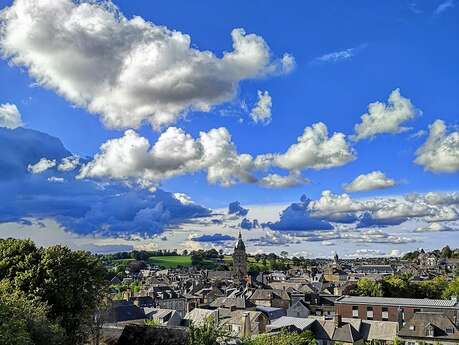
(144, 78)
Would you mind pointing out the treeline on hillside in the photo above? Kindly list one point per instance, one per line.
(403, 286)
(48, 296)
(140, 255)
(446, 252)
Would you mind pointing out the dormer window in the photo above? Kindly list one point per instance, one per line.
(429, 331)
(449, 330)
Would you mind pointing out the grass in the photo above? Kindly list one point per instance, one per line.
(122, 261)
(170, 261)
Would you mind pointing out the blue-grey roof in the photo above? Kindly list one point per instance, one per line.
(267, 309)
(288, 321)
(408, 302)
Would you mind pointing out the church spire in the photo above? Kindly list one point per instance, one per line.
(240, 243)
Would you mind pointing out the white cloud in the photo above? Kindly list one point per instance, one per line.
(128, 70)
(430, 207)
(315, 150)
(397, 209)
(262, 110)
(435, 227)
(362, 253)
(435, 198)
(440, 153)
(183, 198)
(337, 56)
(41, 166)
(385, 118)
(277, 181)
(69, 163)
(174, 153)
(288, 63)
(445, 5)
(330, 203)
(371, 181)
(10, 117)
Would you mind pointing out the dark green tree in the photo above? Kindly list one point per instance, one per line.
(24, 321)
(446, 252)
(71, 283)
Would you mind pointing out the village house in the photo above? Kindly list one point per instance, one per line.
(429, 328)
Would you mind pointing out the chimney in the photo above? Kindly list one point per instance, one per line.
(246, 330)
(337, 320)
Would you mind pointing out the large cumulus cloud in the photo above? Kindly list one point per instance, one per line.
(133, 157)
(385, 118)
(128, 70)
(440, 153)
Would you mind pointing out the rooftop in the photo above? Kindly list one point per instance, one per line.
(415, 302)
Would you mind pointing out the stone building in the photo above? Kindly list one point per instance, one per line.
(240, 260)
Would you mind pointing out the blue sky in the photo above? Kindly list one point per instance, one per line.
(347, 55)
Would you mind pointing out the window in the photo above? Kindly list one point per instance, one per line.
(355, 312)
(450, 330)
(429, 331)
(370, 313)
(385, 313)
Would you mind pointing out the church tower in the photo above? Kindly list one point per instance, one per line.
(240, 260)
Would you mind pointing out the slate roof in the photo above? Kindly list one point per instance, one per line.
(406, 302)
(199, 315)
(236, 317)
(378, 330)
(231, 302)
(374, 269)
(124, 311)
(271, 312)
(416, 326)
(288, 321)
(145, 335)
(346, 334)
(265, 294)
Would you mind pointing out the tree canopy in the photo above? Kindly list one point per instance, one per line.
(71, 284)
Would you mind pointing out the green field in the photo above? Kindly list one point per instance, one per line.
(122, 261)
(170, 261)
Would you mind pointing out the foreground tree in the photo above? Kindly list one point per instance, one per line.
(24, 321)
(207, 333)
(367, 287)
(71, 283)
(432, 288)
(282, 338)
(452, 290)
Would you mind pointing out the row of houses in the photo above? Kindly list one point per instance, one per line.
(356, 319)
